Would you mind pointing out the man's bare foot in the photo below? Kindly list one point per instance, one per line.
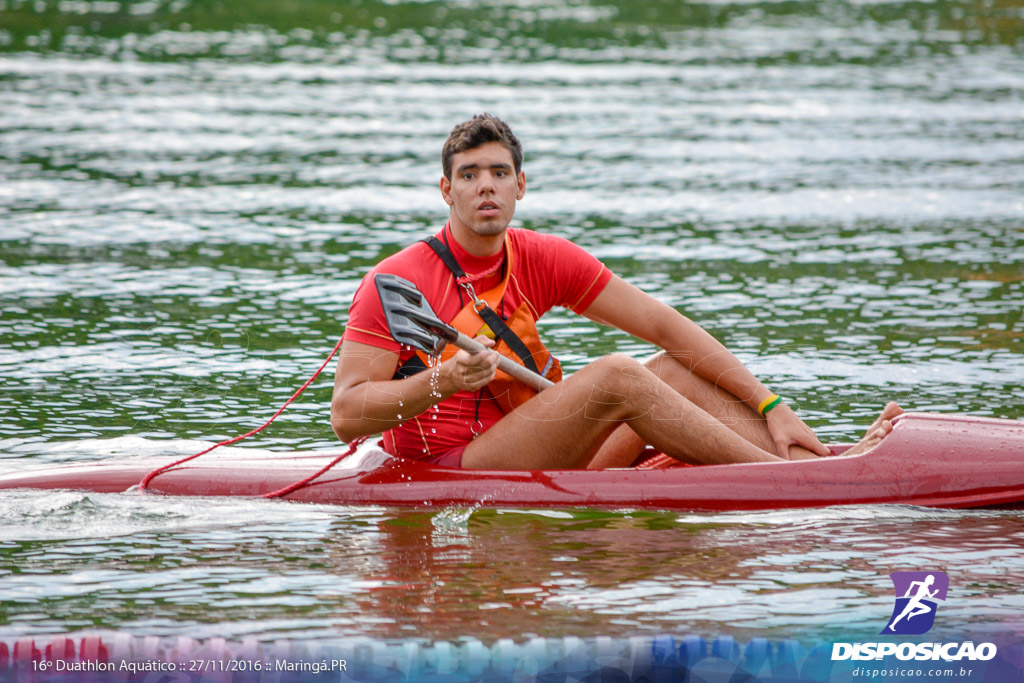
(878, 430)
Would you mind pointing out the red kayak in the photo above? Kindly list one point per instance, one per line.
(930, 460)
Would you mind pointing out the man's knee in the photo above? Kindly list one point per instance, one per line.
(620, 387)
(617, 371)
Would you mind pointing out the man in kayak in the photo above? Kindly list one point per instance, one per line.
(694, 400)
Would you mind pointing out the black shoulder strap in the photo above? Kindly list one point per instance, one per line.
(492, 319)
(446, 255)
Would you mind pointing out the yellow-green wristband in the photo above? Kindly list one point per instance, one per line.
(768, 404)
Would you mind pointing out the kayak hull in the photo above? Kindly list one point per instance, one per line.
(928, 460)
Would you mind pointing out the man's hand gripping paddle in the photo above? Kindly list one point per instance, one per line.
(412, 322)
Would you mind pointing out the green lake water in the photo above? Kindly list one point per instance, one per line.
(190, 192)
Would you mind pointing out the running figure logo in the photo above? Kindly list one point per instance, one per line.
(916, 593)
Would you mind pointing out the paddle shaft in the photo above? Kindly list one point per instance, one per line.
(506, 364)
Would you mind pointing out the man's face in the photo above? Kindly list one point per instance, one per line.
(483, 189)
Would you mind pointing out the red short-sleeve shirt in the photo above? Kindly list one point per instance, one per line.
(547, 271)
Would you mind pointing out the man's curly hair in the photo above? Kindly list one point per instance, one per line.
(479, 130)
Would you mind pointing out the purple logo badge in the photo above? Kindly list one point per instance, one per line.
(916, 596)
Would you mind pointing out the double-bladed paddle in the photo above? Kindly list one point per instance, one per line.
(411, 321)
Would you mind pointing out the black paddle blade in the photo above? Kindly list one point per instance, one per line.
(410, 319)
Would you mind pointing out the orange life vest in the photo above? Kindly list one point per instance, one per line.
(515, 337)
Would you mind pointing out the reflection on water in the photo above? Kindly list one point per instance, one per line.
(193, 189)
(238, 568)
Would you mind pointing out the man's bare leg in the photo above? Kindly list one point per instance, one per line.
(623, 446)
(613, 410)
(564, 427)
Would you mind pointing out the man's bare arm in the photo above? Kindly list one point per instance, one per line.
(634, 311)
(630, 309)
(367, 400)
